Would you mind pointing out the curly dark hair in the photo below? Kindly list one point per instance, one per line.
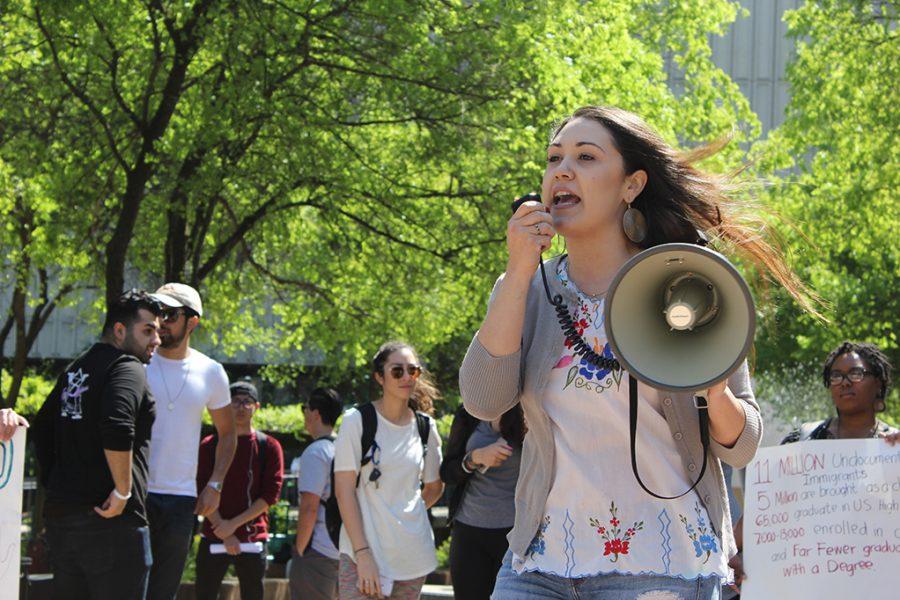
(870, 353)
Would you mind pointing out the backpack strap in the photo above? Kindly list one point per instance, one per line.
(423, 423)
(369, 428)
(262, 442)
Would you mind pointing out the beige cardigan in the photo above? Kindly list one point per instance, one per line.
(491, 385)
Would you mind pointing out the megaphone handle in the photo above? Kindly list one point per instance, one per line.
(703, 414)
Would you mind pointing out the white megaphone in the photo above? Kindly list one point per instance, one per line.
(679, 317)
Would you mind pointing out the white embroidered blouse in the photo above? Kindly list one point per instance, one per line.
(597, 518)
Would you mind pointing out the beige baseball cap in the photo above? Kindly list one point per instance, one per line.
(176, 295)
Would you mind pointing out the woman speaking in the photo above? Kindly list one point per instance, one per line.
(583, 525)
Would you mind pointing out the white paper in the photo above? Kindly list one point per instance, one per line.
(822, 520)
(246, 547)
(12, 470)
(387, 586)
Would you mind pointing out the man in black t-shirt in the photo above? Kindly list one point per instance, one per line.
(91, 440)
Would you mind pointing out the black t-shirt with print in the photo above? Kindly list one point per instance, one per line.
(101, 402)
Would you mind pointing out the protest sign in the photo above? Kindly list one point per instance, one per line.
(12, 467)
(822, 520)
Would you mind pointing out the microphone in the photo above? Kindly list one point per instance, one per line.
(523, 199)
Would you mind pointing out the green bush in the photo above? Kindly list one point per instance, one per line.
(443, 554)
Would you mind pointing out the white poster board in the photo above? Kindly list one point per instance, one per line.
(822, 520)
(12, 468)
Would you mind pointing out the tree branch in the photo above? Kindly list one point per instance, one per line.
(113, 65)
(80, 94)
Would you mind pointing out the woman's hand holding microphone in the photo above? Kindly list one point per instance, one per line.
(528, 233)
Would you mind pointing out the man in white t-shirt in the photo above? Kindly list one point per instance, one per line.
(184, 383)
(314, 566)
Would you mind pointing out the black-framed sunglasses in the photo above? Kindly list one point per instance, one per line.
(171, 315)
(413, 371)
(854, 375)
(245, 402)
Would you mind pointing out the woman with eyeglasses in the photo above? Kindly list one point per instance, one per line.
(384, 490)
(858, 375)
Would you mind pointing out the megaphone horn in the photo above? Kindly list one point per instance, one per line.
(679, 317)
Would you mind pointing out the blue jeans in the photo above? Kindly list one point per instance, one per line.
(536, 585)
(171, 531)
(98, 558)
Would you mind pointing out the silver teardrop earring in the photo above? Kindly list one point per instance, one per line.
(634, 224)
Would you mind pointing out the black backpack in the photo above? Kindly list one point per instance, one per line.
(333, 519)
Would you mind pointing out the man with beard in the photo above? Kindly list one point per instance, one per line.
(91, 440)
(184, 382)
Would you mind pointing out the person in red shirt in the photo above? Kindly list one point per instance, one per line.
(238, 531)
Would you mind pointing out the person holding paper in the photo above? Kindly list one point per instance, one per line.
(236, 533)
(858, 375)
(91, 439)
(482, 462)
(386, 542)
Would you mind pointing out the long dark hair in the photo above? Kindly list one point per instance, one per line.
(426, 392)
(679, 200)
(512, 426)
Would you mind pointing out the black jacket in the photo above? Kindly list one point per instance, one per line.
(101, 402)
(452, 472)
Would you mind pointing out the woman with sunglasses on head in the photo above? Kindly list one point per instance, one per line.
(384, 491)
(583, 525)
(858, 375)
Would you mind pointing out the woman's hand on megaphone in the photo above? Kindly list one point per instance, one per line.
(726, 414)
(528, 233)
(717, 390)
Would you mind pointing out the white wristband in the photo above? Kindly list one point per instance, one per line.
(120, 496)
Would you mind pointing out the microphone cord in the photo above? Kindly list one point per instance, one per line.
(582, 348)
(576, 342)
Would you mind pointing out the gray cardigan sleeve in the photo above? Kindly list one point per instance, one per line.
(489, 385)
(745, 447)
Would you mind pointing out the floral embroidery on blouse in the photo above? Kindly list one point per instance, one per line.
(538, 545)
(581, 373)
(580, 326)
(703, 537)
(616, 542)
